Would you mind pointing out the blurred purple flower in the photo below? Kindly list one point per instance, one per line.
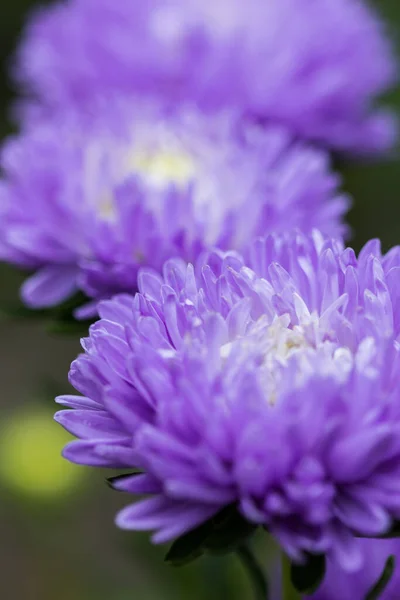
(85, 207)
(315, 66)
(339, 584)
(276, 388)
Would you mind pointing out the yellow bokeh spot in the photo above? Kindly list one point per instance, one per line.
(30, 456)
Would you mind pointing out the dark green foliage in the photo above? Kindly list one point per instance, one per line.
(221, 534)
(380, 586)
(306, 578)
(59, 319)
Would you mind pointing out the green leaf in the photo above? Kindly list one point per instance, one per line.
(229, 532)
(221, 534)
(379, 587)
(189, 546)
(256, 574)
(306, 578)
(70, 327)
(58, 319)
(112, 480)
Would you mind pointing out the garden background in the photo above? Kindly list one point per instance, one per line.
(58, 540)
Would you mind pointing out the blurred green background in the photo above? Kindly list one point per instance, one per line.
(58, 540)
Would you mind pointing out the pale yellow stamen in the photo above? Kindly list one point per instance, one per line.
(107, 210)
(163, 167)
(278, 342)
(158, 164)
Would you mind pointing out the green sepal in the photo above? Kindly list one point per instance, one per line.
(221, 534)
(307, 577)
(230, 531)
(110, 481)
(380, 586)
(189, 546)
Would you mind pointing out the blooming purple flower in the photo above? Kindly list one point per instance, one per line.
(315, 66)
(270, 382)
(339, 584)
(85, 207)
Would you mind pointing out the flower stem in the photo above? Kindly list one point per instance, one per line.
(259, 582)
(289, 592)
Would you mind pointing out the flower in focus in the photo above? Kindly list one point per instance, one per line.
(271, 383)
(339, 584)
(315, 66)
(84, 206)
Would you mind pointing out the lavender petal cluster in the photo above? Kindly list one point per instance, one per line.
(348, 586)
(173, 165)
(270, 381)
(315, 66)
(85, 206)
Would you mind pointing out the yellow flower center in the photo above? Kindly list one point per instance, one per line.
(163, 167)
(278, 343)
(159, 167)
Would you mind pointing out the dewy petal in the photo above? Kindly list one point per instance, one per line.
(49, 286)
(244, 62)
(360, 454)
(78, 402)
(370, 519)
(85, 210)
(199, 491)
(87, 311)
(346, 551)
(100, 453)
(161, 514)
(348, 586)
(85, 424)
(258, 381)
(188, 520)
(151, 513)
(137, 484)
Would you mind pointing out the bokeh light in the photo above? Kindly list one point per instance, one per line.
(30, 456)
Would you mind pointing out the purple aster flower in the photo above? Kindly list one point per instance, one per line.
(339, 584)
(84, 208)
(271, 382)
(315, 66)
